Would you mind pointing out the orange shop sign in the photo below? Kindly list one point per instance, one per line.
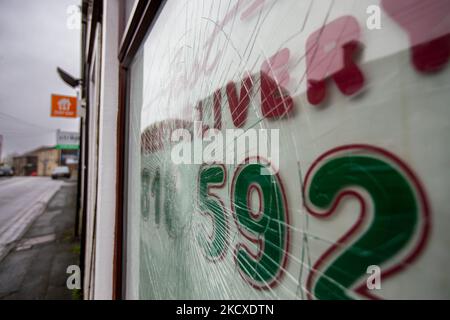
(64, 106)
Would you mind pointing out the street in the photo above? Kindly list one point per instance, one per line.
(37, 216)
(22, 199)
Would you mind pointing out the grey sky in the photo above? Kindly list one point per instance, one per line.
(34, 40)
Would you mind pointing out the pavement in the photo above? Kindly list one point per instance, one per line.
(34, 263)
(22, 199)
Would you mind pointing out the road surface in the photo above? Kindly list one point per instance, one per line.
(22, 199)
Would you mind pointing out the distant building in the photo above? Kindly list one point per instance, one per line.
(25, 165)
(48, 159)
(43, 160)
(40, 162)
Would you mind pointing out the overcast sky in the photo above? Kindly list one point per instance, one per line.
(34, 40)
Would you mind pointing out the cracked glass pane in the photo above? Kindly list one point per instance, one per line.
(290, 150)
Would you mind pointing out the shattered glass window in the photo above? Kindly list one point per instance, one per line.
(290, 150)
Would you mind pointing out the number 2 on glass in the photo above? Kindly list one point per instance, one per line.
(396, 223)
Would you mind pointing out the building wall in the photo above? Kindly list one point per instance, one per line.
(48, 160)
(92, 163)
(24, 165)
(106, 191)
(102, 145)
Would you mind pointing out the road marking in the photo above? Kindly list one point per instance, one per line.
(30, 242)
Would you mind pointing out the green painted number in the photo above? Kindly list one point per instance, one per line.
(169, 202)
(213, 176)
(171, 217)
(266, 228)
(156, 193)
(145, 199)
(398, 213)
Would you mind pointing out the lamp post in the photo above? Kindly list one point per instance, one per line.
(76, 84)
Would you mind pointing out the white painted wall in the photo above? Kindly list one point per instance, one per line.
(92, 178)
(107, 149)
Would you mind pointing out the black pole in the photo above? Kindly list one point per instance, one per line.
(78, 206)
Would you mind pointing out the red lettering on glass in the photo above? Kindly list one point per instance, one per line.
(156, 137)
(217, 109)
(228, 17)
(252, 9)
(329, 54)
(428, 26)
(274, 101)
(274, 78)
(200, 66)
(239, 106)
(199, 117)
(276, 67)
